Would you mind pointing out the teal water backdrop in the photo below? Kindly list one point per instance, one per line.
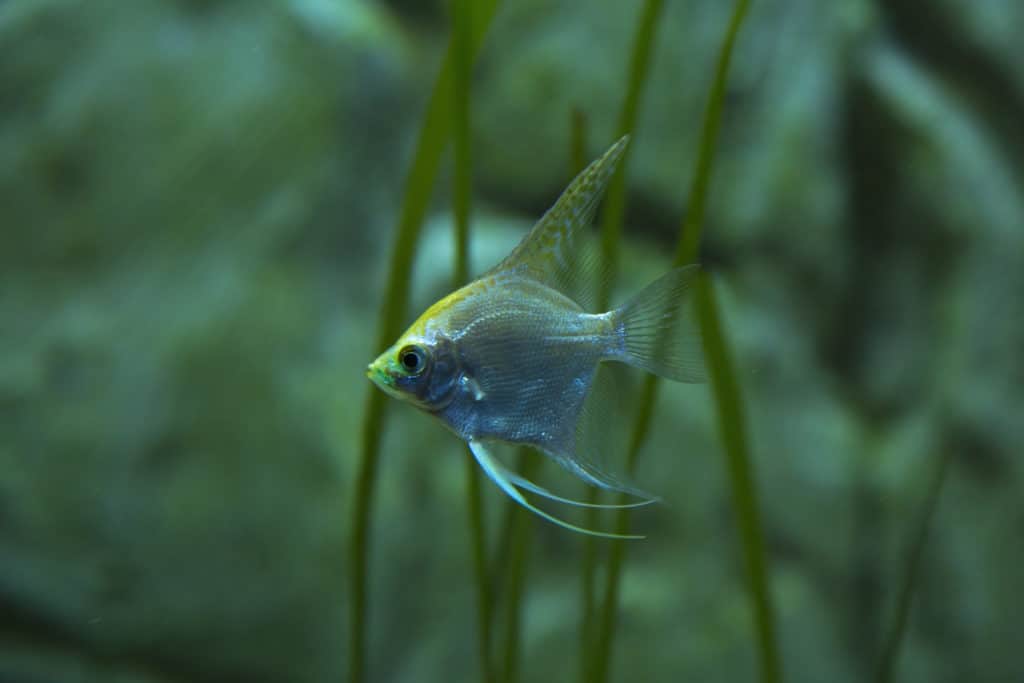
(199, 206)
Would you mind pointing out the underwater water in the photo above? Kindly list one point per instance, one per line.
(216, 213)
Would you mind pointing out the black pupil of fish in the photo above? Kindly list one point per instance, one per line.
(411, 360)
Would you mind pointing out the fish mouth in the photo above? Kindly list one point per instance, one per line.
(383, 379)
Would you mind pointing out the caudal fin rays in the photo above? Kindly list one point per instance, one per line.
(655, 332)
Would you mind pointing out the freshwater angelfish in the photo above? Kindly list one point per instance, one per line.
(513, 356)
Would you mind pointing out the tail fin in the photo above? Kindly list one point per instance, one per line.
(656, 334)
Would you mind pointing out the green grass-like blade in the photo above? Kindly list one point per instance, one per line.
(911, 571)
(724, 383)
(577, 141)
(462, 38)
(478, 543)
(521, 535)
(517, 530)
(429, 147)
(589, 557)
(612, 215)
(502, 558)
(732, 427)
(689, 241)
(462, 41)
(614, 206)
(601, 649)
(686, 252)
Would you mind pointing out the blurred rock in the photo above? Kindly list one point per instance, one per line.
(173, 496)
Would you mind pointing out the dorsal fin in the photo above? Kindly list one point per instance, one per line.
(552, 253)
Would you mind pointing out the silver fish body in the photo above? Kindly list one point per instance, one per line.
(526, 356)
(512, 356)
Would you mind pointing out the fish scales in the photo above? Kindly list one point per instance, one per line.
(532, 353)
(512, 357)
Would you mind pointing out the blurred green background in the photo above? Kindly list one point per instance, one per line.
(198, 199)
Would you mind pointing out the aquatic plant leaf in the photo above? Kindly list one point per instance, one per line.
(611, 230)
(462, 49)
(726, 391)
(416, 197)
(742, 483)
(886, 667)
(518, 562)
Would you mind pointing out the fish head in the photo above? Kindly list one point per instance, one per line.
(417, 369)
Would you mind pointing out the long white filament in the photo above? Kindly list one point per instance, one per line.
(541, 491)
(503, 478)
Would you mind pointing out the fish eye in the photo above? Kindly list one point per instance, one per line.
(413, 359)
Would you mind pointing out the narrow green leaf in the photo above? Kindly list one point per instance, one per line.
(518, 528)
(419, 184)
(911, 572)
(724, 384)
(614, 206)
(589, 558)
(686, 252)
(522, 534)
(593, 661)
(688, 245)
(462, 41)
(478, 544)
(462, 38)
(732, 430)
(578, 141)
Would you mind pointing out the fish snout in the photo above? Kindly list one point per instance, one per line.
(378, 372)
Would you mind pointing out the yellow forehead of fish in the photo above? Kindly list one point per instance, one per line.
(437, 314)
